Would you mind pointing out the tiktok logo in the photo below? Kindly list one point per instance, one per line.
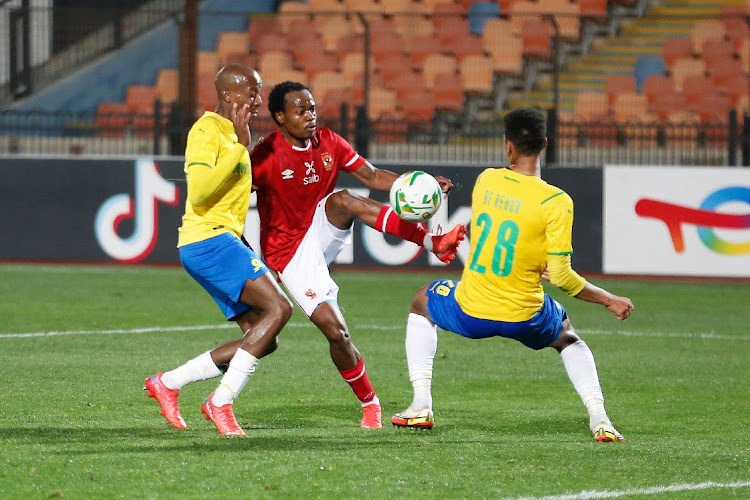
(150, 189)
(705, 217)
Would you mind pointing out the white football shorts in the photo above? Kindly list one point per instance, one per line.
(307, 277)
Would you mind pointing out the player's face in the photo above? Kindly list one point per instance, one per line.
(248, 92)
(299, 119)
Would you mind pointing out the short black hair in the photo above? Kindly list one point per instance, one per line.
(526, 128)
(278, 95)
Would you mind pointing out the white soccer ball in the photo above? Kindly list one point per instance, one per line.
(416, 196)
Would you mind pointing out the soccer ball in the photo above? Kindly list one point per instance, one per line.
(416, 196)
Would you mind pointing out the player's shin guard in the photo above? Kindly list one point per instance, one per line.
(389, 222)
(242, 365)
(357, 379)
(421, 346)
(199, 368)
(581, 368)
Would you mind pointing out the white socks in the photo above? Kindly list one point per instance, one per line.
(200, 368)
(421, 346)
(242, 365)
(581, 368)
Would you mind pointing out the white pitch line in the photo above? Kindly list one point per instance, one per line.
(229, 325)
(654, 490)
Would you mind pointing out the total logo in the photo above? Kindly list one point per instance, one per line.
(705, 217)
(150, 189)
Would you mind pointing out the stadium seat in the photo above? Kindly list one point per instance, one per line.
(448, 93)
(477, 74)
(167, 85)
(422, 46)
(714, 108)
(274, 60)
(332, 28)
(394, 65)
(230, 42)
(382, 101)
(208, 63)
(408, 27)
(681, 129)
(451, 30)
(327, 81)
(300, 31)
(446, 11)
(480, 13)
(141, 98)
(667, 104)
(628, 105)
(567, 15)
(724, 72)
(601, 130)
(676, 48)
(112, 118)
(249, 59)
(313, 63)
(617, 84)
(695, 88)
(417, 104)
(259, 26)
(507, 56)
(469, 45)
(683, 68)
(591, 104)
(353, 66)
(537, 38)
(705, 30)
(289, 11)
(438, 64)
(523, 11)
(271, 42)
(596, 9)
(646, 66)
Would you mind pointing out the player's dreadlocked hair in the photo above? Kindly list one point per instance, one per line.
(526, 128)
(278, 94)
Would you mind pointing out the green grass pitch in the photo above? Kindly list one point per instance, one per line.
(75, 423)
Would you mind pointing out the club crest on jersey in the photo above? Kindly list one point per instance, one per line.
(327, 161)
(310, 174)
(310, 294)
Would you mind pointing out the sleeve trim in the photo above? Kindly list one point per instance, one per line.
(559, 253)
(200, 163)
(553, 196)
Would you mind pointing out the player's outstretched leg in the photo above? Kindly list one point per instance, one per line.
(167, 399)
(445, 246)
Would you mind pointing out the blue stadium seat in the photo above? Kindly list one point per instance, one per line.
(646, 66)
(480, 13)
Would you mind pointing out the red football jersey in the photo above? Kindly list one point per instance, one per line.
(290, 182)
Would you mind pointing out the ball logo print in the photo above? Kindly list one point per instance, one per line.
(150, 189)
(706, 218)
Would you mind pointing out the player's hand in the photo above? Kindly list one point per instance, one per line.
(545, 274)
(445, 184)
(622, 307)
(241, 120)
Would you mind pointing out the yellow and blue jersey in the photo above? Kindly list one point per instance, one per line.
(518, 223)
(219, 181)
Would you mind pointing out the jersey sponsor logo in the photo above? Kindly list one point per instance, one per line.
(287, 174)
(241, 168)
(327, 161)
(310, 175)
(705, 217)
(150, 189)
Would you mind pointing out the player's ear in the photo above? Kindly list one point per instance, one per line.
(226, 96)
(545, 144)
(279, 115)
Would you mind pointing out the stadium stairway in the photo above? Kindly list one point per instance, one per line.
(639, 38)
